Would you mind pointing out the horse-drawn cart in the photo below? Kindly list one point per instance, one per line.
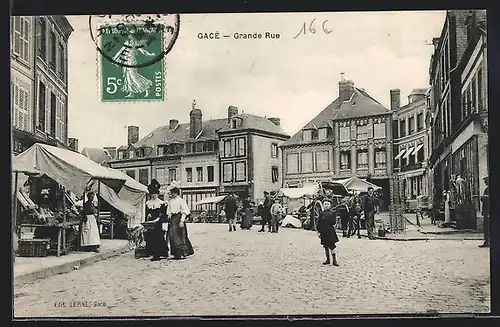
(317, 193)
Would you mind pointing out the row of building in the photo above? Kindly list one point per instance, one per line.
(247, 154)
(458, 119)
(39, 80)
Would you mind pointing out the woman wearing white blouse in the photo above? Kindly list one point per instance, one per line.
(177, 211)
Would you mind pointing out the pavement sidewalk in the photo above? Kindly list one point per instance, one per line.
(28, 269)
(425, 232)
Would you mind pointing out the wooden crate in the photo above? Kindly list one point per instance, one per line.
(33, 247)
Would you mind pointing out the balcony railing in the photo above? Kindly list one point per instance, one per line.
(415, 166)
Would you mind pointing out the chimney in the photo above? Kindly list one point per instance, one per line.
(395, 99)
(172, 124)
(231, 111)
(346, 88)
(417, 94)
(73, 143)
(275, 120)
(435, 42)
(195, 125)
(133, 135)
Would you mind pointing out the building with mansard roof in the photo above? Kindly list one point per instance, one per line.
(207, 157)
(350, 137)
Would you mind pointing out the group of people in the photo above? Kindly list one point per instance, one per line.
(166, 221)
(270, 211)
(356, 208)
(234, 207)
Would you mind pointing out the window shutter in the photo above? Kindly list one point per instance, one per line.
(17, 35)
(221, 149)
(25, 41)
(17, 99)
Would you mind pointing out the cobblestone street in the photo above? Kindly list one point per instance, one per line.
(251, 273)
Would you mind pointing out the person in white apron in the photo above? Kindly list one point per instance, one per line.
(447, 212)
(89, 235)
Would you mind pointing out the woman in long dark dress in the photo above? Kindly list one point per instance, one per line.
(156, 213)
(327, 232)
(177, 211)
(247, 221)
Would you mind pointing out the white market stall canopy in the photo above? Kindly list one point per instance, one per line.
(211, 200)
(299, 192)
(357, 184)
(129, 200)
(70, 169)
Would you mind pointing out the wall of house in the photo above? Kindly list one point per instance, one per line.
(294, 178)
(136, 167)
(54, 77)
(165, 166)
(263, 161)
(370, 144)
(22, 81)
(194, 162)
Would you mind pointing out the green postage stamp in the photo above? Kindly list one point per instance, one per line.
(131, 63)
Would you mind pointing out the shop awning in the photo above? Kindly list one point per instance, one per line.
(409, 152)
(399, 154)
(211, 200)
(70, 169)
(418, 148)
(358, 184)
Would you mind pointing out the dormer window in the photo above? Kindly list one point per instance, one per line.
(235, 122)
(121, 155)
(307, 135)
(131, 154)
(323, 133)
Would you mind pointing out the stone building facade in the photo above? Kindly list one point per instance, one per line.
(352, 136)
(460, 122)
(411, 146)
(39, 80)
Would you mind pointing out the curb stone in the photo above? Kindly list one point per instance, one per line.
(70, 266)
(409, 239)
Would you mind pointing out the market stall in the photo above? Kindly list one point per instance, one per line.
(357, 184)
(60, 172)
(130, 200)
(209, 206)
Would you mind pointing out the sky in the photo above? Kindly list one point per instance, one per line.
(293, 78)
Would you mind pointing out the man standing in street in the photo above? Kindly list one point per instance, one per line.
(266, 212)
(370, 208)
(231, 209)
(276, 210)
(485, 199)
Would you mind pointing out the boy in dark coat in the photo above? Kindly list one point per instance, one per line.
(327, 232)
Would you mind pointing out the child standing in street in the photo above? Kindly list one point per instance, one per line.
(327, 232)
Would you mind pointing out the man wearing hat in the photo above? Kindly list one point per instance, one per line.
(485, 199)
(266, 212)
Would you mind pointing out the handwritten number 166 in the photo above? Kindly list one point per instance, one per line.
(311, 28)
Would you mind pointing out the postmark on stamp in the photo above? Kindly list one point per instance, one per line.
(131, 55)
